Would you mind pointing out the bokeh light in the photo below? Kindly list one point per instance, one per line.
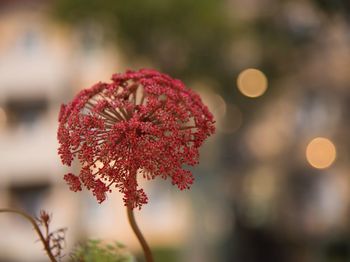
(320, 152)
(252, 82)
(215, 102)
(231, 121)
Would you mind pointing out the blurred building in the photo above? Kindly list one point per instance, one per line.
(43, 64)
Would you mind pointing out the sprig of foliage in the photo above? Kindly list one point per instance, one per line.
(55, 239)
(96, 251)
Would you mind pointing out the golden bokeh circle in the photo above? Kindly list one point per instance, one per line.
(252, 82)
(320, 152)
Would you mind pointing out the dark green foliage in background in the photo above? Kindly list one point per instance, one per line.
(185, 38)
(194, 39)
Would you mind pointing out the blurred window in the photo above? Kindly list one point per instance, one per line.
(25, 111)
(91, 38)
(29, 197)
(29, 41)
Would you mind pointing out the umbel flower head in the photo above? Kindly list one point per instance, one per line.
(143, 123)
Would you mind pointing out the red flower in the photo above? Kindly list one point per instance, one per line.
(143, 122)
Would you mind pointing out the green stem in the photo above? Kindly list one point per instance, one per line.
(36, 227)
(146, 250)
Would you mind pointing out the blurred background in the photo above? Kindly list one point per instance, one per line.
(273, 184)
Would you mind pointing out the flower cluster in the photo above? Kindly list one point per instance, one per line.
(142, 123)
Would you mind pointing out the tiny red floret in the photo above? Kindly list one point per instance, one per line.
(142, 123)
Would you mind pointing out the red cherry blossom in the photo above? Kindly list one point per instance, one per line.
(143, 123)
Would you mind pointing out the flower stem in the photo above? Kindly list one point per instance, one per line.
(146, 250)
(36, 227)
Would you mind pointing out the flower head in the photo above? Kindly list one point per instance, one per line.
(142, 123)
